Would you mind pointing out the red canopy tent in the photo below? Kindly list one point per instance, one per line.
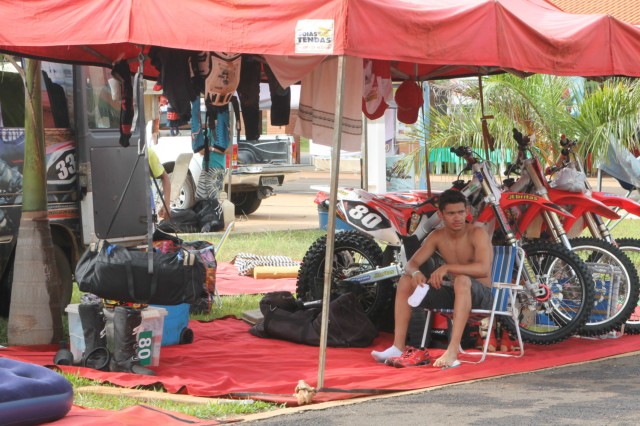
(423, 38)
(447, 38)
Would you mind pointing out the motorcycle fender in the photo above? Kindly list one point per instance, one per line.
(612, 200)
(513, 199)
(590, 205)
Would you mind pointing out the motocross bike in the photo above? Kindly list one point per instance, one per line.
(557, 285)
(615, 276)
(629, 246)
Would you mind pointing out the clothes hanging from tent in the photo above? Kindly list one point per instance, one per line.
(121, 73)
(175, 78)
(317, 104)
(292, 69)
(220, 72)
(377, 88)
(249, 94)
(280, 99)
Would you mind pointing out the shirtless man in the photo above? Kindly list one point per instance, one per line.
(462, 283)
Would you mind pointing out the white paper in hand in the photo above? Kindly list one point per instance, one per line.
(418, 294)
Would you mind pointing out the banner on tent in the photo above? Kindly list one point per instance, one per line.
(314, 36)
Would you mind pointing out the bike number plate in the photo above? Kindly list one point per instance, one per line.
(364, 217)
(269, 181)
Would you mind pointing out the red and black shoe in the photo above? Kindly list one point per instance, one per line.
(507, 344)
(411, 357)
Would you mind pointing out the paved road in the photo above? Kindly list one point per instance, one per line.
(597, 393)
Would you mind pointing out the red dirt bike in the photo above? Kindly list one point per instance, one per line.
(599, 229)
(615, 276)
(556, 282)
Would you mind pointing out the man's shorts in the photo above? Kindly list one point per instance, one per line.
(442, 298)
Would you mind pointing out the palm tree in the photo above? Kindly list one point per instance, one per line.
(36, 312)
(609, 110)
(541, 105)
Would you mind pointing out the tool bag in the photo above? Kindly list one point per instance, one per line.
(119, 273)
(284, 319)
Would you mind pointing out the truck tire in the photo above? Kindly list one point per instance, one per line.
(187, 196)
(245, 202)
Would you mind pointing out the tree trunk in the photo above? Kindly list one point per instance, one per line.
(36, 312)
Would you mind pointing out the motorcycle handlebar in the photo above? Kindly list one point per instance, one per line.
(467, 153)
(523, 141)
(511, 168)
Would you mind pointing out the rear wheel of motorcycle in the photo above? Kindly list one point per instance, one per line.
(353, 254)
(631, 247)
(616, 284)
(567, 309)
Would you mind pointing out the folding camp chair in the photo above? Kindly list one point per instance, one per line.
(504, 300)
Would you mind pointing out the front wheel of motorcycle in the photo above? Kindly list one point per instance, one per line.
(616, 284)
(353, 254)
(631, 247)
(566, 295)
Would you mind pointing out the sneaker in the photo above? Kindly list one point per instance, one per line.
(507, 344)
(411, 357)
(493, 342)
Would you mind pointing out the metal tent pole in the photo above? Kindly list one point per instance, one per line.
(364, 163)
(331, 225)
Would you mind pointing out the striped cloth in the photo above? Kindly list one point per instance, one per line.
(245, 262)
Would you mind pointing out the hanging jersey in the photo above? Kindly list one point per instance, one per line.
(221, 74)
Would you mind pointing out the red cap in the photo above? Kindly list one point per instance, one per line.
(409, 100)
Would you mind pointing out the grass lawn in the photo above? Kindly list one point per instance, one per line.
(286, 243)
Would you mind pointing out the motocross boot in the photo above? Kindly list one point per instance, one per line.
(96, 355)
(125, 359)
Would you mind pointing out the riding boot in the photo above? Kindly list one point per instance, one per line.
(125, 359)
(96, 355)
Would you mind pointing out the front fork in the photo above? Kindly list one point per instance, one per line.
(554, 225)
(535, 290)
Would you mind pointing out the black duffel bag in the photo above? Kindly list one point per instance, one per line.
(119, 273)
(284, 318)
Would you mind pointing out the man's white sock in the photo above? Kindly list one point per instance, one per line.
(387, 353)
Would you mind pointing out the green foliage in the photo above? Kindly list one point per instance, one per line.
(541, 105)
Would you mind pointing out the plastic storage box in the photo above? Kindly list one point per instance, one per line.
(323, 218)
(175, 329)
(151, 328)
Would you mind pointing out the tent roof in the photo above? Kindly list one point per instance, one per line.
(463, 36)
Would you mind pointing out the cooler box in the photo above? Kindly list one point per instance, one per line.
(151, 328)
(323, 216)
(175, 329)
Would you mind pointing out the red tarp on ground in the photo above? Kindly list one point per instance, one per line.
(225, 360)
(130, 416)
(228, 282)
(526, 35)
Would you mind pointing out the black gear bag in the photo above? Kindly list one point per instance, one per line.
(286, 319)
(119, 273)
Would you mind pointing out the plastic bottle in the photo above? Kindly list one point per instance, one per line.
(228, 209)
